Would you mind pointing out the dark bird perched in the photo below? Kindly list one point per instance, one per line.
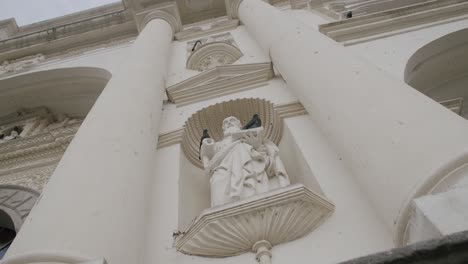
(349, 14)
(195, 45)
(205, 135)
(254, 122)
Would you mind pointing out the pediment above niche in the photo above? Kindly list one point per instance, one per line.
(220, 80)
(213, 54)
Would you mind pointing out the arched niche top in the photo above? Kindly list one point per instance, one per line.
(213, 54)
(438, 61)
(212, 117)
(70, 91)
(17, 202)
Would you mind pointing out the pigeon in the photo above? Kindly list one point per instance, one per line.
(254, 122)
(349, 14)
(205, 135)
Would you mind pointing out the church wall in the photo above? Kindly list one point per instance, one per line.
(354, 229)
(391, 54)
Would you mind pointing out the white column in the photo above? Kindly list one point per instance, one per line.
(397, 142)
(96, 202)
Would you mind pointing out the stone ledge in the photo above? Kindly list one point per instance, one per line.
(278, 216)
(451, 249)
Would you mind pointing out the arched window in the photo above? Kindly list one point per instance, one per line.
(440, 71)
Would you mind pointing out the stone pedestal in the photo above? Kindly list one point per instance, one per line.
(277, 217)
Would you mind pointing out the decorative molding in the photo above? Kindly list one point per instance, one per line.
(278, 216)
(21, 64)
(170, 138)
(216, 27)
(290, 109)
(212, 55)
(454, 105)
(34, 177)
(17, 202)
(283, 111)
(396, 21)
(68, 34)
(166, 11)
(219, 81)
(298, 4)
(29, 159)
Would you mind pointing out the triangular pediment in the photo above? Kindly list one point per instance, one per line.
(218, 81)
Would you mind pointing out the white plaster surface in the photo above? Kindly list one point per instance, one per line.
(439, 215)
(376, 122)
(391, 54)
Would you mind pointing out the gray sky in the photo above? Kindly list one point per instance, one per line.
(31, 11)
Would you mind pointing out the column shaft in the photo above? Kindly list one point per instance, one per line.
(396, 141)
(96, 202)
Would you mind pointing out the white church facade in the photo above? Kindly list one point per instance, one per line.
(234, 131)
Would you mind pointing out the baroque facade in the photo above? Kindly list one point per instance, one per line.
(233, 131)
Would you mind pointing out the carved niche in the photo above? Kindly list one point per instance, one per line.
(253, 204)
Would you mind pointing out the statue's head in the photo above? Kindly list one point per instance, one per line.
(230, 125)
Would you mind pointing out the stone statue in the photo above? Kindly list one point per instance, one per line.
(242, 164)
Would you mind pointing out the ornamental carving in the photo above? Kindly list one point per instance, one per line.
(213, 51)
(213, 54)
(243, 163)
(21, 64)
(32, 141)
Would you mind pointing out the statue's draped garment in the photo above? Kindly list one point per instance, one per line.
(243, 171)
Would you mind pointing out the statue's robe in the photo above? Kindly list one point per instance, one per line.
(239, 171)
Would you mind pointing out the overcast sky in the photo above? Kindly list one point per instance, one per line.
(31, 11)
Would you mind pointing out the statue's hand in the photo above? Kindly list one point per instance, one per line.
(251, 138)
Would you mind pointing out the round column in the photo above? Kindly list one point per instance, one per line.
(96, 203)
(397, 142)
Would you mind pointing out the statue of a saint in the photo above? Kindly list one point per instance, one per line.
(242, 164)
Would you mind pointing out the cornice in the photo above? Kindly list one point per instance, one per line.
(219, 81)
(170, 138)
(283, 111)
(166, 11)
(195, 32)
(383, 24)
(70, 36)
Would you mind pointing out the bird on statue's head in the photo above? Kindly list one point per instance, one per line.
(253, 123)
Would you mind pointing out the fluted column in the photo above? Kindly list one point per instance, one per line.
(96, 204)
(397, 142)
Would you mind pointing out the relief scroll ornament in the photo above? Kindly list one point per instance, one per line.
(242, 164)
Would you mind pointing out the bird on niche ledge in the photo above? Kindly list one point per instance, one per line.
(253, 123)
